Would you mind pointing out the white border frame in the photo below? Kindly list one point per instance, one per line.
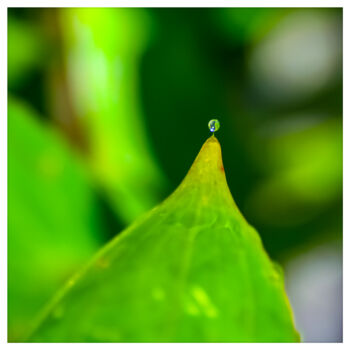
(154, 3)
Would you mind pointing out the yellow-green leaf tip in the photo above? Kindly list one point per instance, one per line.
(190, 270)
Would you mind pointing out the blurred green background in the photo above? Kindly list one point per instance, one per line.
(108, 108)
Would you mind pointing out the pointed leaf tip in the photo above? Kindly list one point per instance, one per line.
(206, 179)
(209, 158)
(191, 269)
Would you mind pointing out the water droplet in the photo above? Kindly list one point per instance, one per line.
(214, 125)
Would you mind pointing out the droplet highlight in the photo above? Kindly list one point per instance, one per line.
(214, 125)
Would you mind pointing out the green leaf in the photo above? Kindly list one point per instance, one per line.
(52, 223)
(192, 269)
(103, 50)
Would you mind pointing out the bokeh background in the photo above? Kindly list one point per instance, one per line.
(108, 108)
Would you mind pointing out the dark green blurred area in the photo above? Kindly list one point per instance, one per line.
(109, 107)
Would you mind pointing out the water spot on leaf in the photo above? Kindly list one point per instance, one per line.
(191, 309)
(204, 302)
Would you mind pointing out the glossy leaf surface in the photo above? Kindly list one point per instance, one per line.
(192, 269)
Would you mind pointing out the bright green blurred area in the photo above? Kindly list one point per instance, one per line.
(109, 107)
(53, 223)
